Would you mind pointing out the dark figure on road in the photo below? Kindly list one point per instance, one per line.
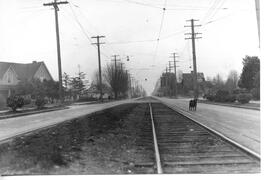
(193, 105)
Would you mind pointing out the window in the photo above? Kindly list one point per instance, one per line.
(9, 77)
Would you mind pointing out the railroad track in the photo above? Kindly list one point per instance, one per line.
(181, 145)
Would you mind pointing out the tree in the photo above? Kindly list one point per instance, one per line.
(218, 83)
(78, 84)
(95, 85)
(52, 89)
(24, 87)
(251, 66)
(232, 81)
(256, 90)
(66, 81)
(117, 79)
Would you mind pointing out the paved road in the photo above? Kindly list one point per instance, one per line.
(18, 125)
(240, 125)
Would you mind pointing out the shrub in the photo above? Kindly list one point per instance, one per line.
(222, 96)
(2, 101)
(209, 97)
(27, 101)
(239, 91)
(231, 98)
(40, 102)
(85, 99)
(15, 102)
(244, 98)
(255, 93)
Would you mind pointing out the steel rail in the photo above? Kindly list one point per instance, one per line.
(224, 137)
(157, 155)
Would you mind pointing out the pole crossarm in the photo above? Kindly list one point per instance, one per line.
(55, 4)
(115, 60)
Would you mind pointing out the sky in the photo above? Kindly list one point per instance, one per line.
(132, 28)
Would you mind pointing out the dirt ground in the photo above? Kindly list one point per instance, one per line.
(101, 143)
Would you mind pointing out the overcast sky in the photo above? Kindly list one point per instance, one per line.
(131, 27)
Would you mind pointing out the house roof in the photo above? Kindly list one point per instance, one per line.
(190, 75)
(23, 71)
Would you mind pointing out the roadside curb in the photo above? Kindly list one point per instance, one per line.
(231, 105)
(30, 113)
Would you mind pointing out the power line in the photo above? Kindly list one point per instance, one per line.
(211, 10)
(83, 30)
(88, 22)
(217, 9)
(129, 42)
(143, 4)
(160, 29)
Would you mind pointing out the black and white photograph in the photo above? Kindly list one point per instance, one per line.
(130, 87)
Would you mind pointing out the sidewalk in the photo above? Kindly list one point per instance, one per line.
(18, 125)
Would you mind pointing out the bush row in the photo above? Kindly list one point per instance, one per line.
(225, 96)
(16, 101)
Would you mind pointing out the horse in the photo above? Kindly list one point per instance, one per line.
(193, 105)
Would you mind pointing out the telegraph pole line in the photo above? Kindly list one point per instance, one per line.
(99, 62)
(174, 56)
(121, 65)
(115, 61)
(193, 37)
(56, 9)
(170, 66)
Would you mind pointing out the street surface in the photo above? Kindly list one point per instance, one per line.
(18, 125)
(238, 124)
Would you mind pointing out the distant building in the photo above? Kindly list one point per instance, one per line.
(12, 73)
(188, 82)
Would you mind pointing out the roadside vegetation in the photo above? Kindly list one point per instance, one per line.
(236, 88)
(241, 89)
(37, 94)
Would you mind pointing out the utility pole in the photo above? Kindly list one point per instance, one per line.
(193, 37)
(170, 67)
(174, 56)
(121, 66)
(115, 61)
(166, 80)
(115, 72)
(56, 9)
(99, 62)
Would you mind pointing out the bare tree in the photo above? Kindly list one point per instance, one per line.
(218, 82)
(118, 80)
(95, 85)
(232, 80)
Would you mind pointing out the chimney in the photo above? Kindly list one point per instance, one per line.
(33, 62)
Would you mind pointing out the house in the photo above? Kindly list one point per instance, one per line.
(12, 73)
(188, 82)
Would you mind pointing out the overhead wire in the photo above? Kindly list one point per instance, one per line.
(88, 22)
(160, 29)
(217, 9)
(84, 31)
(143, 4)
